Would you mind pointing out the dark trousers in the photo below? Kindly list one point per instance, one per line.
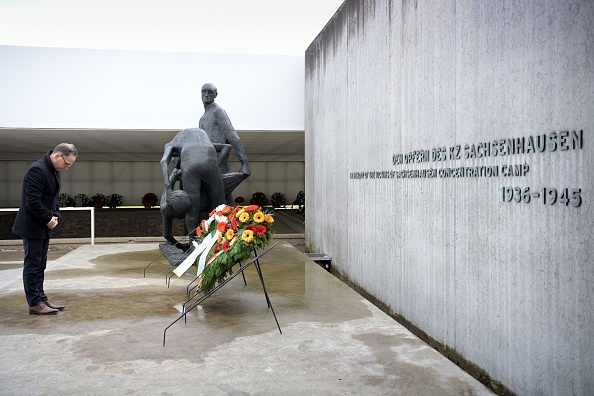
(34, 269)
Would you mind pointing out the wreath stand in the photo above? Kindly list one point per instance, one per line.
(181, 259)
(164, 253)
(194, 301)
(174, 263)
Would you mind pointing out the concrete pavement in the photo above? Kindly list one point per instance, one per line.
(108, 341)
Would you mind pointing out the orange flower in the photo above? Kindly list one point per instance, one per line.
(259, 217)
(198, 231)
(226, 210)
(269, 219)
(247, 236)
(222, 226)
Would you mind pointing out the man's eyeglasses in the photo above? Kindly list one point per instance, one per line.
(64, 159)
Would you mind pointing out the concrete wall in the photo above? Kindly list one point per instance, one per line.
(396, 93)
(134, 179)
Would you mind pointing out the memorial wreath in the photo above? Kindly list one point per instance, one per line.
(229, 236)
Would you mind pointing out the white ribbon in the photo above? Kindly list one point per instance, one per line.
(202, 249)
(209, 244)
(199, 250)
(187, 263)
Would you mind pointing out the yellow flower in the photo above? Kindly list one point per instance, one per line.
(269, 219)
(230, 234)
(239, 213)
(259, 217)
(244, 217)
(220, 238)
(247, 236)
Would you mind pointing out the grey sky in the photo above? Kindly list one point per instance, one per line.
(217, 26)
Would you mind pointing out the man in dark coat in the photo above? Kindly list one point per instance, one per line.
(38, 215)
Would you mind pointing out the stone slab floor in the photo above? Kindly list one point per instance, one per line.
(109, 339)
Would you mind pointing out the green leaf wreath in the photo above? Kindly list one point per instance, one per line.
(278, 199)
(236, 233)
(97, 200)
(259, 198)
(65, 200)
(114, 200)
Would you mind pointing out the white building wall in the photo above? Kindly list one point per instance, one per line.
(506, 286)
(114, 89)
(133, 180)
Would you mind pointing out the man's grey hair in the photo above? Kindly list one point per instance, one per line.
(66, 149)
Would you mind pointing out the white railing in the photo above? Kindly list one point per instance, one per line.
(91, 209)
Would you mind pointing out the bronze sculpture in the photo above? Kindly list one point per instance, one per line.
(200, 159)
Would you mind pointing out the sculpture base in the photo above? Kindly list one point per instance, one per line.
(173, 254)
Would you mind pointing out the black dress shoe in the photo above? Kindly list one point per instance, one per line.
(42, 309)
(54, 306)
